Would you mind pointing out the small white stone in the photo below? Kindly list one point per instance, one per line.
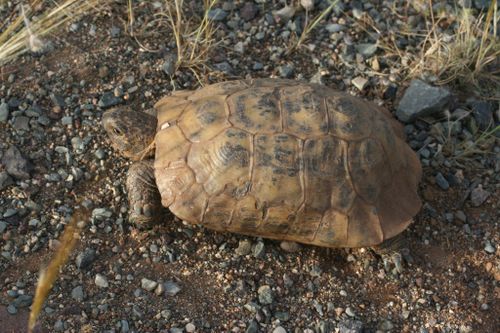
(489, 248)
(359, 82)
(190, 328)
(350, 312)
(148, 284)
(279, 329)
(101, 281)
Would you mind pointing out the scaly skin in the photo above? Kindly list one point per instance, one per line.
(143, 196)
(132, 134)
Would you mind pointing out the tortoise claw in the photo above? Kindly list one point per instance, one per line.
(393, 253)
(393, 263)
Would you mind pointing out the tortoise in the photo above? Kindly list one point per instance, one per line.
(272, 158)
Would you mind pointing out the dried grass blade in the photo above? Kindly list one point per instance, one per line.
(49, 275)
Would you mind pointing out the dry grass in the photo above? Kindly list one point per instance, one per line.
(309, 26)
(49, 275)
(194, 35)
(469, 56)
(25, 32)
(466, 150)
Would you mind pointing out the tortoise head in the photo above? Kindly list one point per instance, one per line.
(130, 132)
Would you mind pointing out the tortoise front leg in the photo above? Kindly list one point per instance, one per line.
(143, 196)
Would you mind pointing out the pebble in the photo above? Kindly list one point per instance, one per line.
(11, 309)
(239, 47)
(176, 330)
(4, 112)
(160, 289)
(115, 32)
(3, 226)
(77, 293)
(217, 14)
(333, 27)
(23, 301)
(350, 326)
(459, 214)
(101, 281)
(482, 111)
(282, 316)
(58, 100)
(366, 49)
(421, 99)
(286, 71)
(124, 326)
(5, 180)
(16, 164)
(315, 271)
(385, 325)
(224, 67)
(100, 154)
(489, 248)
(442, 182)
(349, 312)
(244, 248)
(252, 327)
(103, 72)
(265, 294)
(284, 14)
(248, 11)
(425, 153)
(359, 82)
(172, 288)
(478, 196)
(21, 123)
(167, 314)
(257, 66)
(148, 284)
(290, 246)
(279, 329)
(259, 250)
(168, 66)
(67, 120)
(59, 326)
(78, 144)
(85, 259)
(190, 327)
(108, 99)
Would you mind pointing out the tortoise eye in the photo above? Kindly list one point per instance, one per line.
(117, 131)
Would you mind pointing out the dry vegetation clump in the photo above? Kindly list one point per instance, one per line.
(460, 48)
(465, 150)
(469, 56)
(26, 27)
(193, 33)
(311, 24)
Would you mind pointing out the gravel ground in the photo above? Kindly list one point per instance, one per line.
(184, 278)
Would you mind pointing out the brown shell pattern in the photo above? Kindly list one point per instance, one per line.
(285, 160)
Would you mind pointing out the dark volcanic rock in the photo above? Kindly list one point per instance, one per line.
(421, 99)
(16, 164)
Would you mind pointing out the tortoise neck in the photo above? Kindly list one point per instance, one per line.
(148, 152)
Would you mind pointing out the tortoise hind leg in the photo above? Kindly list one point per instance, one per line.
(393, 251)
(143, 196)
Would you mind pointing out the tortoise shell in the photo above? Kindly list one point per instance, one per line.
(285, 160)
